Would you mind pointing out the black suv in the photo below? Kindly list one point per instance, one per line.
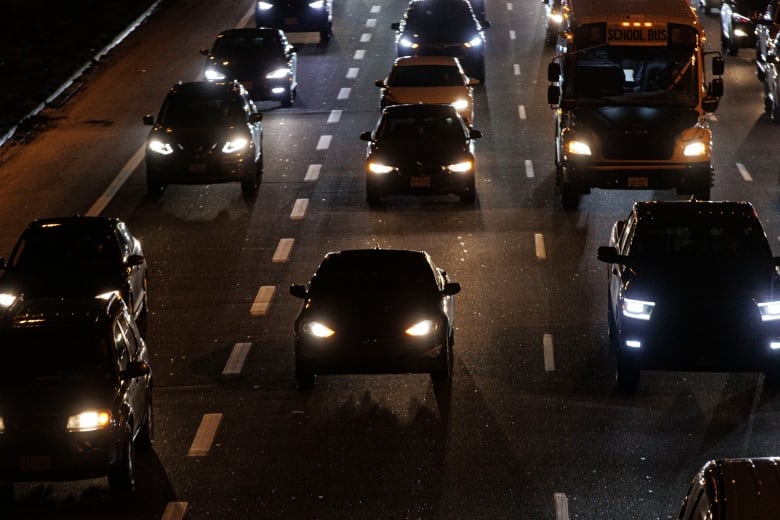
(296, 15)
(766, 29)
(738, 24)
(692, 286)
(75, 392)
(443, 28)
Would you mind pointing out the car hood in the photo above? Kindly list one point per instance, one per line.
(55, 396)
(200, 135)
(370, 318)
(403, 95)
(425, 151)
(249, 67)
(78, 281)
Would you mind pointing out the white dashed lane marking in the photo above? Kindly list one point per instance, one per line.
(262, 300)
(743, 171)
(204, 437)
(549, 353)
(299, 209)
(312, 172)
(236, 360)
(324, 142)
(283, 249)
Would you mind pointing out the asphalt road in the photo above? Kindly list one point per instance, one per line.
(531, 427)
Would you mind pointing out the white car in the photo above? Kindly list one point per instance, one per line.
(429, 79)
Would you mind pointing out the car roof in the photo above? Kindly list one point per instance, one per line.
(743, 487)
(410, 61)
(661, 211)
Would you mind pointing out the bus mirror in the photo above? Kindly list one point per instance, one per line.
(553, 72)
(553, 94)
(709, 104)
(718, 65)
(716, 87)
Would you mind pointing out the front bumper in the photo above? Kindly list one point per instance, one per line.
(402, 183)
(214, 168)
(686, 177)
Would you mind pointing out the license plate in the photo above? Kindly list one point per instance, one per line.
(198, 168)
(34, 463)
(420, 182)
(637, 182)
(290, 21)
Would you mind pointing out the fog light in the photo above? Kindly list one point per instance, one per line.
(774, 345)
(277, 90)
(633, 343)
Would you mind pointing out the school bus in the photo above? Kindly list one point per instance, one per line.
(630, 98)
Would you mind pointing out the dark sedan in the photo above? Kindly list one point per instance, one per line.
(738, 24)
(443, 28)
(75, 256)
(420, 149)
(261, 59)
(206, 132)
(296, 15)
(692, 286)
(375, 311)
(75, 392)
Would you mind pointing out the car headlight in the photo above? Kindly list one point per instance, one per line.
(319, 4)
(460, 167)
(422, 328)
(770, 311)
(7, 299)
(408, 43)
(556, 18)
(577, 148)
(234, 145)
(317, 329)
(264, 6)
(160, 147)
(460, 104)
(214, 74)
(379, 168)
(476, 41)
(637, 309)
(695, 149)
(278, 73)
(2, 425)
(89, 420)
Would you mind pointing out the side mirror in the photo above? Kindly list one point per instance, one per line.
(395, 26)
(256, 117)
(135, 369)
(365, 136)
(474, 133)
(709, 104)
(610, 255)
(451, 288)
(134, 260)
(718, 65)
(485, 24)
(716, 87)
(205, 52)
(380, 83)
(553, 72)
(473, 81)
(553, 94)
(298, 290)
(149, 120)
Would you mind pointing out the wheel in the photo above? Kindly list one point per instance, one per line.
(774, 110)
(570, 197)
(469, 195)
(326, 33)
(611, 326)
(373, 195)
(121, 474)
(626, 375)
(772, 378)
(304, 380)
(703, 191)
(289, 99)
(443, 365)
(153, 187)
(145, 437)
(251, 182)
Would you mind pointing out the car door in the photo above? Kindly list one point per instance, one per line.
(130, 347)
(134, 273)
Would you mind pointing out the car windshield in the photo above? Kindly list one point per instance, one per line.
(439, 128)
(39, 354)
(390, 279)
(67, 247)
(237, 46)
(701, 241)
(452, 21)
(190, 109)
(425, 76)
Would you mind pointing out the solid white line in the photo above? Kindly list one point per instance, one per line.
(324, 142)
(335, 116)
(375, 9)
(365, 37)
(371, 22)
(529, 168)
(743, 171)
(344, 93)
(549, 353)
(352, 72)
(237, 358)
(312, 172)
(511, 35)
(521, 111)
(262, 300)
(129, 167)
(174, 511)
(516, 68)
(561, 506)
(207, 430)
(282, 253)
(299, 209)
(541, 254)
(359, 54)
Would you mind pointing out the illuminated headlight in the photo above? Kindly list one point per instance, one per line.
(319, 4)
(695, 149)
(106, 295)
(160, 147)
(740, 33)
(422, 328)
(264, 6)
(7, 299)
(278, 73)
(461, 167)
(474, 42)
(556, 18)
(577, 148)
(379, 168)
(317, 329)
(407, 43)
(235, 145)
(774, 345)
(770, 311)
(632, 343)
(637, 309)
(460, 104)
(88, 421)
(2, 425)
(213, 75)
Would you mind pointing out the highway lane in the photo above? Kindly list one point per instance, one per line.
(530, 416)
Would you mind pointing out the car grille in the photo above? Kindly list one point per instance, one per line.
(637, 146)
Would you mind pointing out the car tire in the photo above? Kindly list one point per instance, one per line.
(626, 375)
(443, 365)
(774, 111)
(772, 378)
(468, 196)
(251, 182)
(611, 326)
(570, 196)
(145, 438)
(304, 380)
(154, 187)
(326, 33)
(703, 192)
(373, 196)
(121, 474)
(289, 98)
